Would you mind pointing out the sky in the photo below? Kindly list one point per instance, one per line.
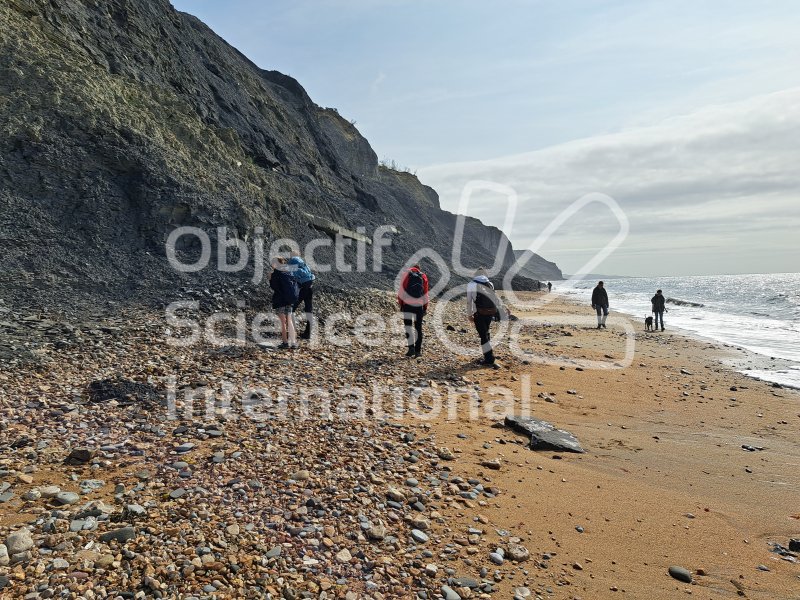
(684, 115)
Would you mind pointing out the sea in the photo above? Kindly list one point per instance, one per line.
(759, 313)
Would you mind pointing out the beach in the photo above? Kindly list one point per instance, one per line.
(687, 464)
(665, 480)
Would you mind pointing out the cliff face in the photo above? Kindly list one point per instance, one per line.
(123, 119)
(536, 267)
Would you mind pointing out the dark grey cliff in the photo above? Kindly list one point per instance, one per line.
(122, 120)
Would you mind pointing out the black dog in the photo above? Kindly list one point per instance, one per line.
(648, 323)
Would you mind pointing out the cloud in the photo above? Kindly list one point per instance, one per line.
(723, 180)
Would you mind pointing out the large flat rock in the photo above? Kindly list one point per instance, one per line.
(544, 435)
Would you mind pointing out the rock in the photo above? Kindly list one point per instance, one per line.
(302, 475)
(184, 448)
(794, 545)
(464, 582)
(493, 464)
(518, 552)
(121, 535)
(344, 556)
(59, 564)
(449, 593)
(32, 495)
(395, 494)
(19, 541)
(5, 497)
(680, 574)
(521, 593)
(377, 532)
(419, 536)
(4, 559)
(24, 478)
(66, 498)
(496, 558)
(79, 456)
(544, 435)
(49, 491)
(4, 581)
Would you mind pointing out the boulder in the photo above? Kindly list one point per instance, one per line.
(544, 435)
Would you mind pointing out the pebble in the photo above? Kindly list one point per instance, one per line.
(680, 574)
(419, 536)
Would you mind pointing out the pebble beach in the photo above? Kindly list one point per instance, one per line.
(113, 488)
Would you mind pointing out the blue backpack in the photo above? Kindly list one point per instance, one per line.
(300, 270)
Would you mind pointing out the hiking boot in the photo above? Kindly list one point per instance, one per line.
(283, 346)
(418, 354)
(306, 335)
(410, 352)
(604, 326)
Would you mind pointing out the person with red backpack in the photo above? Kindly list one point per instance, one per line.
(413, 300)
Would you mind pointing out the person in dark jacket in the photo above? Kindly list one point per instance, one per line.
(285, 294)
(483, 307)
(600, 304)
(413, 300)
(305, 280)
(659, 306)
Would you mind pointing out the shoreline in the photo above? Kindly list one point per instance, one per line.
(751, 361)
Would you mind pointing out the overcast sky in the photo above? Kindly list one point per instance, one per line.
(686, 113)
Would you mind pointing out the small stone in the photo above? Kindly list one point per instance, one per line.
(518, 552)
(419, 536)
(344, 556)
(680, 574)
(59, 564)
(493, 464)
(522, 593)
(184, 448)
(449, 593)
(121, 535)
(4, 559)
(24, 478)
(377, 532)
(49, 491)
(302, 475)
(19, 541)
(66, 498)
(32, 495)
(79, 456)
(496, 558)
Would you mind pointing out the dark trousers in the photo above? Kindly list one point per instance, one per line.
(412, 319)
(482, 325)
(659, 314)
(306, 298)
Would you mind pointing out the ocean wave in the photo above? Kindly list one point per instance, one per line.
(677, 302)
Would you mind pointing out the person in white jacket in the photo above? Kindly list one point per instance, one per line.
(483, 308)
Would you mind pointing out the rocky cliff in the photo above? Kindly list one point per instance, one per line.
(121, 120)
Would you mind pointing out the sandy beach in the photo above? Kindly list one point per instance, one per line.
(687, 464)
(665, 479)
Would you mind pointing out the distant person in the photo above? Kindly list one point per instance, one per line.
(600, 304)
(549, 287)
(305, 280)
(483, 307)
(659, 306)
(285, 294)
(413, 300)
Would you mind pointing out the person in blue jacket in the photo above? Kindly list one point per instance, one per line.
(305, 279)
(285, 293)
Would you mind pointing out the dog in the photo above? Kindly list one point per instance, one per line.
(648, 323)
